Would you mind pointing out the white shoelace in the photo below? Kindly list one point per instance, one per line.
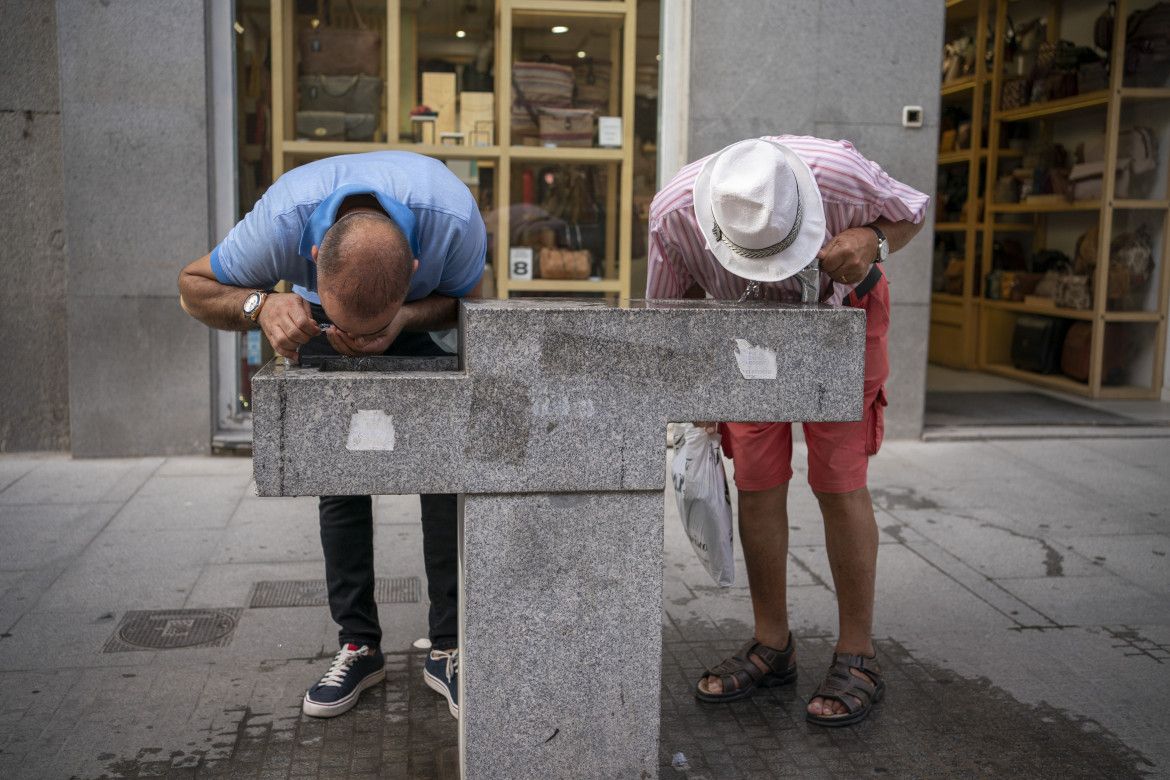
(340, 666)
(452, 661)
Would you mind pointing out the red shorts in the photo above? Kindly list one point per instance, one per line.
(838, 452)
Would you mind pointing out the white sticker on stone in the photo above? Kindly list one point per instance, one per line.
(371, 429)
(755, 362)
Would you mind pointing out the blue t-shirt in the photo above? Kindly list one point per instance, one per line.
(433, 208)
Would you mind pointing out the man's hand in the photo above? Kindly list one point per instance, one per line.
(849, 254)
(360, 345)
(287, 322)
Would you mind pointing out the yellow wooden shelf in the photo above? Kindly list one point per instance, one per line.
(1053, 381)
(958, 86)
(950, 158)
(1137, 94)
(1141, 205)
(1045, 206)
(1069, 385)
(1133, 316)
(1007, 227)
(579, 154)
(1024, 308)
(566, 285)
(1053, 108)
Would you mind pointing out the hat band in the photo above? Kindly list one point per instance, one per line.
(768, 251)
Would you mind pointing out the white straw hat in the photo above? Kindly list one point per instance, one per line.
(760, 210)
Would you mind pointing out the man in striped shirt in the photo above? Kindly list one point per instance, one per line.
(761, 210)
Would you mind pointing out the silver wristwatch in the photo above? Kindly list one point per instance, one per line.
(883, 244)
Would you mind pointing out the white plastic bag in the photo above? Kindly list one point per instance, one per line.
(700, 489)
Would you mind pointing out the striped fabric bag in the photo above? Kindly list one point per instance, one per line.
(538, 85)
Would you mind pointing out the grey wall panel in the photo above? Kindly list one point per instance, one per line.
(874, 58)
(135, 139)
(753, 71)
(34, 385)
(28, 56)
(139, 378)
(841, 70)
(134, 126)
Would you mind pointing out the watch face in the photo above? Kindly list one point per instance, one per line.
(251, 302)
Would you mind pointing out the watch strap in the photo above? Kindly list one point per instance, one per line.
(881, 240)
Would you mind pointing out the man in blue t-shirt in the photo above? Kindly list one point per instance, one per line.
(379, 248)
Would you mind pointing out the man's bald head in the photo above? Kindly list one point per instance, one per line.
(364, 266)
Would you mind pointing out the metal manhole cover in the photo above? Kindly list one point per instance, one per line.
(313, 593)
(170, 629)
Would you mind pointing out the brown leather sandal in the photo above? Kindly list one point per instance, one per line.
(857, 693)
(740, 675)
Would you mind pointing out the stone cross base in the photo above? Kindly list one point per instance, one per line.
(560, 635)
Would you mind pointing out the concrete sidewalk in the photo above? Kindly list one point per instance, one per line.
(159, 620)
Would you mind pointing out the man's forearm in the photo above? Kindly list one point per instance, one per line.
(897, 233)
(221, 308)
(434, 312)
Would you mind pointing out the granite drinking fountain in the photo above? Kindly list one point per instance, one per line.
(551, 427)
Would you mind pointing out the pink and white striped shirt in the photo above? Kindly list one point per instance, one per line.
(855, 192)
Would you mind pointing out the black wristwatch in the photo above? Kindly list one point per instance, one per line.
(883, 244)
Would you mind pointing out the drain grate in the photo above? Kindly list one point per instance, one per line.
(312, 593)
(171, 629)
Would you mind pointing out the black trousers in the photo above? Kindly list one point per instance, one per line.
(347, 539)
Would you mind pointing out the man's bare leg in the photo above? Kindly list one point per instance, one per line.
(851, 540)
(763, 533)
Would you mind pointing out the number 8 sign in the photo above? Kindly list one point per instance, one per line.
(520, 263)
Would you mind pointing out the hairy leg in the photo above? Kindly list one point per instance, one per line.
(763, 532)
(851, 540)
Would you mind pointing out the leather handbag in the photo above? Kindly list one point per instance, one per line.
(1016, 94)
(1092, 76)
(348, 94)
(320, 125)
(335, 51)
(953, 277)
(564, 263)
(1147, 37)
(591, 79)
(1137, 158)
(1074, 291)
(335, 126)
(1077, 350)
(1037, 342)
(1103, 28)
(567, 126)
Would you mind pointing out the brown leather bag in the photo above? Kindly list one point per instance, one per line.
(334, 51)
(1075, 354)
(564, 263)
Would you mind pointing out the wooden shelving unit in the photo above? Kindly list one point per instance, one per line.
(972, 331)
(614, 21)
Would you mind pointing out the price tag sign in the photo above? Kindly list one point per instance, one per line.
(609, 131)
(520, 263)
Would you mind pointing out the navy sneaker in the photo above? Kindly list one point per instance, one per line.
(441, 672)
(353, 670)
